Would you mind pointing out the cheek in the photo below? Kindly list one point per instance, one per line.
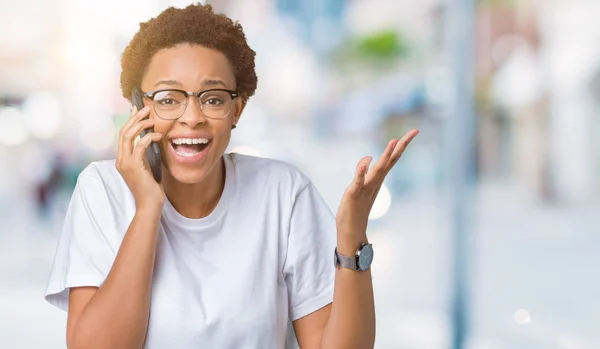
(224, 135)
(162, 126)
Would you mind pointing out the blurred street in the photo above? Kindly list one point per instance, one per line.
(337, 79)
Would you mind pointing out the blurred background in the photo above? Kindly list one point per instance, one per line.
(511, 187)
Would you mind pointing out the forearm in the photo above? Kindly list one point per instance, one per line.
(117, 316)
(351, 323)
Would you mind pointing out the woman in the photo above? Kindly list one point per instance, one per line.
(227, 248)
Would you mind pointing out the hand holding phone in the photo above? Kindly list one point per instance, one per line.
(153, 151)
(137, 162)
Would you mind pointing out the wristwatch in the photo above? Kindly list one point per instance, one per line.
(361, 261)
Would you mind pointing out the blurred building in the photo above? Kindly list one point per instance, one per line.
(536, 114)
(337, 80)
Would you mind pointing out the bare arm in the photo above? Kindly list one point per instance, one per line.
(349, 323)
(116, 314)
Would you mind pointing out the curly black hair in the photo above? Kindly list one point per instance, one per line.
(195, 24)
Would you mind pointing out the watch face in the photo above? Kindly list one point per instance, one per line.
(366, 257)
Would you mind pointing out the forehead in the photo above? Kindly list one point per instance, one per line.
(189, 65)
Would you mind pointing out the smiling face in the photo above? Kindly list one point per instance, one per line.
(192, 68)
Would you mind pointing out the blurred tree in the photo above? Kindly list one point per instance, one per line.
(378, 50)
(497, 2)
(384, 45)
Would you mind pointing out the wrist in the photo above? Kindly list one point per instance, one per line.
(348, 245)
(149, 211)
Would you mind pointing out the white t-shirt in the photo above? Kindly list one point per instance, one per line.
(234, 279)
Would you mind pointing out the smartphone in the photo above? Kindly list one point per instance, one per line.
(153, 151)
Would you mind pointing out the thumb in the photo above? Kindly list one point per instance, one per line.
(359, 176)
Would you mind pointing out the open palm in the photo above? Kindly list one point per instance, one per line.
(353, 213)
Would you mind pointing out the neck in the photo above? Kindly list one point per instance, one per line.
(196, 200)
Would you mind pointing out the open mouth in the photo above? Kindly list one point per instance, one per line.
(189, 147)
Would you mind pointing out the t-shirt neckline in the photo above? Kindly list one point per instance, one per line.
(228, 189)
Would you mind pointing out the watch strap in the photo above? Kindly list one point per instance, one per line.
(345, 261)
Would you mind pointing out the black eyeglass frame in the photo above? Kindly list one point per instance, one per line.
(151, 94)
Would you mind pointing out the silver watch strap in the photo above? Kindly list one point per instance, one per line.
(344, 261)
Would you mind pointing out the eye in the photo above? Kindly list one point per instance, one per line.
(213, 101)
(167, 101)
(169, 98)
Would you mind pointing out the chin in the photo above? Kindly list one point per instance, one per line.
(189, 171)
(188, 175)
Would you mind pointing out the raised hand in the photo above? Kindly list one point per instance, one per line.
(353, 213)
(132, 164)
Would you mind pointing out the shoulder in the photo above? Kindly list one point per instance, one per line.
(103, 170)
(102, 193)
(102, 176)
(268, 172)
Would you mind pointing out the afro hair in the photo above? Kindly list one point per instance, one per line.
(195, 24)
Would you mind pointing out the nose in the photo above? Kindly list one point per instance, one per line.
(192, 116)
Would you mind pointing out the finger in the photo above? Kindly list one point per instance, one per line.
(144, 142)
(132, 112)
(137, 115)
(389, 158)
(359, 176)
(124, 149)
(127, 139)
(378, 171)
(401, 147)
(136, 129)
(134, 117)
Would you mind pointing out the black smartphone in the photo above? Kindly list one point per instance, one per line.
(153, 151)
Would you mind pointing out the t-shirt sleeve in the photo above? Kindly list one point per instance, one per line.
(308, 269)
(88, 241)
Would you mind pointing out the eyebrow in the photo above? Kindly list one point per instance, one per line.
(207, 83)
(213, 83)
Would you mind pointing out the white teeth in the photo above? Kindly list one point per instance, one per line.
(190, 151)
(187, 155)
(189, 140)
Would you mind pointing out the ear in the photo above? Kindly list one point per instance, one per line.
(239, 108)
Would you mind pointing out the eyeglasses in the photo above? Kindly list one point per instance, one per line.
(170, 104)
